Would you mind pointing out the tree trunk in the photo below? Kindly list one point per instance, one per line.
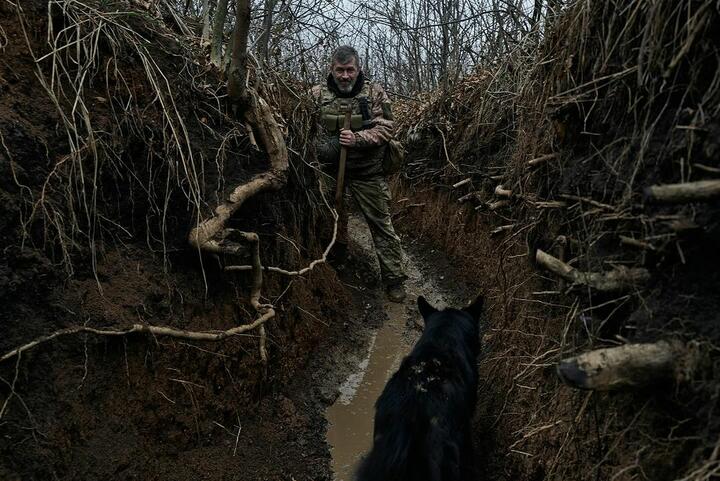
(218, 33)
(236, 73)
(205, 39)
(264, 40)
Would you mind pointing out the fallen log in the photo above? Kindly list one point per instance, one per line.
(629, 366)
(700, 191)
(620, 279)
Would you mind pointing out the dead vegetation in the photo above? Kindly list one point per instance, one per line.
(574, 180)
(578, 177)
(89, 68)
(116, 141)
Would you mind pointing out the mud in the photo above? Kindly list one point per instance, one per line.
(350, 418)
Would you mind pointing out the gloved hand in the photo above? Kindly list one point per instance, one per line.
(327, 149)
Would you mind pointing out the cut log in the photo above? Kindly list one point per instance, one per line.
(498, 204)
(541, 159)
(501, 229)
(457, 185)
(640, 244)
(700, 191)
(629, 366)
(620, 279)
(467, 197)
(500, 191)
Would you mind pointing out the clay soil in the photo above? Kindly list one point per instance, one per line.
(139, 407)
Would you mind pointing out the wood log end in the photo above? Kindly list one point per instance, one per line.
(571, 375)
(630, 366)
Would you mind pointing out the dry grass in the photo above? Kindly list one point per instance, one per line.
(619, 95)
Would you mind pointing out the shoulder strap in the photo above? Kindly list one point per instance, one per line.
(365, 102)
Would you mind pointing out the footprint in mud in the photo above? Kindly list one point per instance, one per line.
(350, 419)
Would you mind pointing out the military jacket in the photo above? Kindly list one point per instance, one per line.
(371, 121)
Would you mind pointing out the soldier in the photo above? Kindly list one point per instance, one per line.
(372, 127)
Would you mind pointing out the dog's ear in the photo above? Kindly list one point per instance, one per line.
(475, 309)
(425, 308)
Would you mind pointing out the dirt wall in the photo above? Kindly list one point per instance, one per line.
(553, 149)
(110, 153)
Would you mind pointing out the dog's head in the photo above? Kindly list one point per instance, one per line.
(471, 312)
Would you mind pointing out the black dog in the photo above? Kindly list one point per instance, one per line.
(422, 418)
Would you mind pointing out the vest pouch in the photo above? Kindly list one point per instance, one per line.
(394, 157)
(356, 122)
(330, 122)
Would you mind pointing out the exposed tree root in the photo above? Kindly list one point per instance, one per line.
(210, 235)
(155, 330)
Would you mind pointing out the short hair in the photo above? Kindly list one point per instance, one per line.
(344, 54)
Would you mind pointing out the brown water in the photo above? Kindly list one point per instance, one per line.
(351, 417)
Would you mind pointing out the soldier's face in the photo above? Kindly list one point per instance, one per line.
(345, 75)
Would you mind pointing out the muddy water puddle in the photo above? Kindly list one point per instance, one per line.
(350, 419)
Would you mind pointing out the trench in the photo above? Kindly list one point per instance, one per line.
(350, 418)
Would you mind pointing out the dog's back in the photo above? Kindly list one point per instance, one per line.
(422, 419)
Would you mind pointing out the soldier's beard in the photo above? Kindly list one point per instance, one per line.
(345, 87)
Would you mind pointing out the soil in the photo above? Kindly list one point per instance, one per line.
(140, 407)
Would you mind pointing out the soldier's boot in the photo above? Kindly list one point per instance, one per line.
(338, 255)
(395, 291)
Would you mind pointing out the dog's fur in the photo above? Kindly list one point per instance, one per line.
(422, 418)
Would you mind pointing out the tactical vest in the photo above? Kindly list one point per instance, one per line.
(333, 108)
(365, 163)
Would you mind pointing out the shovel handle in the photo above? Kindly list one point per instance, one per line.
(343, 160)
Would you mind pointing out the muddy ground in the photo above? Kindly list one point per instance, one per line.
(140, 408)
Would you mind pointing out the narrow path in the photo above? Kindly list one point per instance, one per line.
(350, 418)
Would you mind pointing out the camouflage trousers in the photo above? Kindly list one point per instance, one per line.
(372, 197)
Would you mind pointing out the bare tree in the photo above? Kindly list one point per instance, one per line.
(218, 33)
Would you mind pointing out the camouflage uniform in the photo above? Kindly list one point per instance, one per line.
(373, 126)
